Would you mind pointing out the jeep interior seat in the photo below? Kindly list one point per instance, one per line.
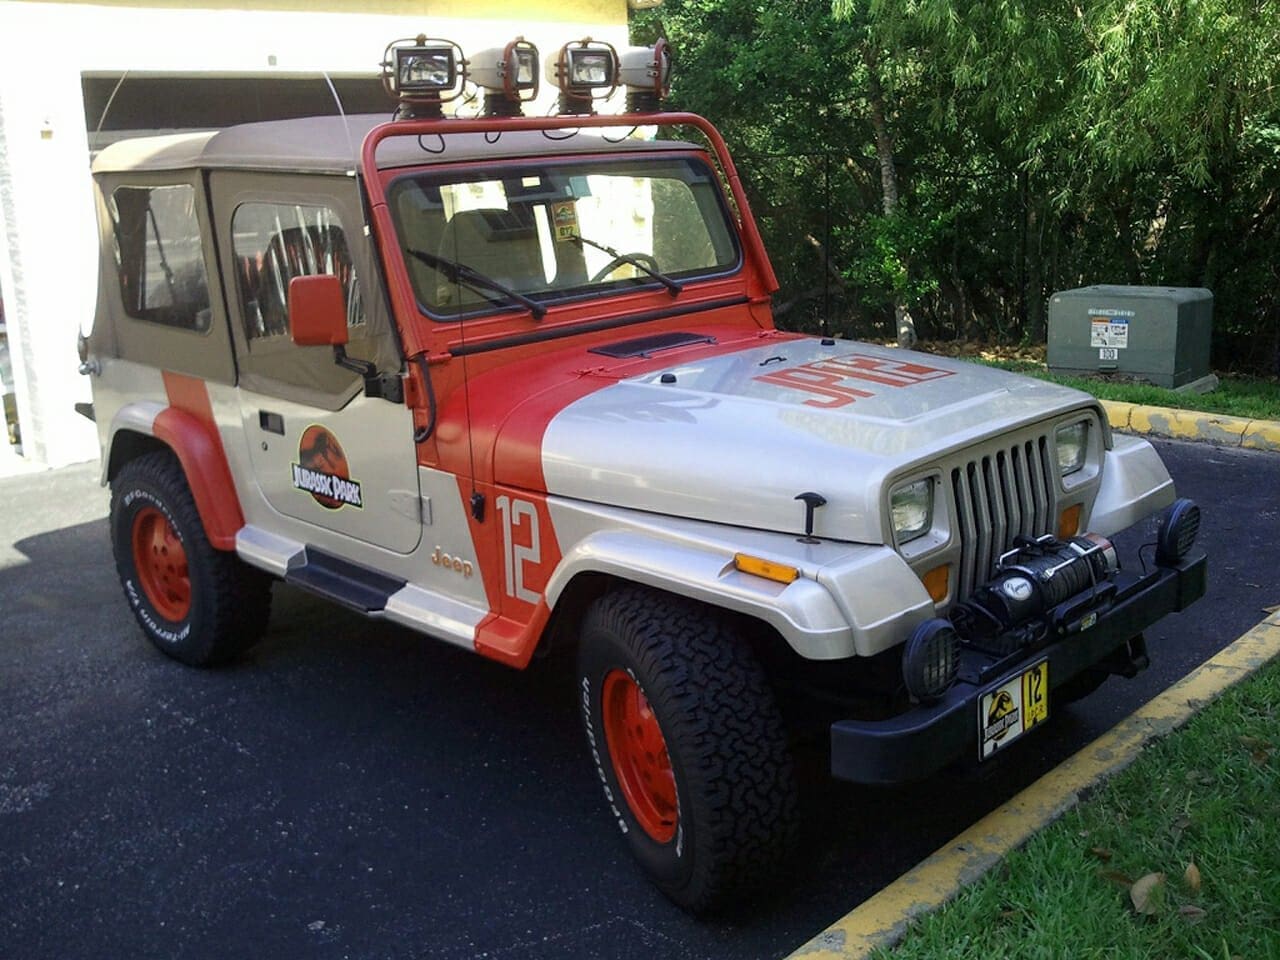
(496, 243)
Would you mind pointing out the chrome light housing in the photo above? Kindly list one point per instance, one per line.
(911, 510)
(1072, 442)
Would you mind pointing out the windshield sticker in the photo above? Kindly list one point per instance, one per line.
(828, 379)
(322, 471)
(565, 217)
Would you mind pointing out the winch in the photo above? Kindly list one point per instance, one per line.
(1030, 580)
(1029, 588)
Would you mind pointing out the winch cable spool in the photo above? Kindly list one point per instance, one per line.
(1031, 580)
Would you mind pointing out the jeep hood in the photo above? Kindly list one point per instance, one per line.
(733, 438)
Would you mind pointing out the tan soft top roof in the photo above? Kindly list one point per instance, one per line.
(332, 145)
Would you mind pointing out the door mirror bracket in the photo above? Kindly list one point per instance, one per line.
(318, 318)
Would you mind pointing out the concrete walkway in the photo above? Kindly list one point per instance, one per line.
(12, 465)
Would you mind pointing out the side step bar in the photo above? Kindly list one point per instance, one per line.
(344, 582)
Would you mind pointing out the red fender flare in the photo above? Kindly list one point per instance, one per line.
(188, 428)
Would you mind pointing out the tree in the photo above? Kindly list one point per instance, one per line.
(966, 158)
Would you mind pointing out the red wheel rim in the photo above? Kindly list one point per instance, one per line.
(639, 755)
(161, 562)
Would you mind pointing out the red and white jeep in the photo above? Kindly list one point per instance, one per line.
(513, 382)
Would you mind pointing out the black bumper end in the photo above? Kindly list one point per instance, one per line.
(926, 738)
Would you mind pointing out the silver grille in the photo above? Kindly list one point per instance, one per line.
(1000, 495)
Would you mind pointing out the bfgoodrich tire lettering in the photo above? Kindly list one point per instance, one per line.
(734, 787)
(197, 604)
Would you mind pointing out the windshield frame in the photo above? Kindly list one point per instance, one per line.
(567, 165)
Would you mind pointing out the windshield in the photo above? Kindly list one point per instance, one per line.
(551, 231)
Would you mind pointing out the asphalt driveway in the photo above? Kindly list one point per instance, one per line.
(352, 790)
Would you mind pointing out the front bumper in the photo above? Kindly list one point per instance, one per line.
(928, 737)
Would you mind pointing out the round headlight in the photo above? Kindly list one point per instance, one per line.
(930, 659)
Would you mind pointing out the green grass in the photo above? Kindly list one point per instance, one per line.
(1208, 794)
(1255, 399)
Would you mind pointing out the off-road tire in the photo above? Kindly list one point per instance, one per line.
(220, 607)
(735, 793)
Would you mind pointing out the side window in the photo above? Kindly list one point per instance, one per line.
(273, 243)
(159, 257)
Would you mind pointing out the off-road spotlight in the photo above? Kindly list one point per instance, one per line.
(508, 75)
(646, 73)
(582, 68)
(423, 73)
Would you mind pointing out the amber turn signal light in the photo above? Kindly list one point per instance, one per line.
(759, 567)
(1069, 522)
(936, 581)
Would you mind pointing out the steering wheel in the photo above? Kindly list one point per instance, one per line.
(617, 262)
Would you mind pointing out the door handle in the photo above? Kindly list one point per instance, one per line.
(271, 422)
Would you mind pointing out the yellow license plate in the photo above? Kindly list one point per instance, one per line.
(1013, 708)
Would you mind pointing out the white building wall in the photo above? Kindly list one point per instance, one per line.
(48, 232)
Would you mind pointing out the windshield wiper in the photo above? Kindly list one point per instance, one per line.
(637, 261)
(469, 277)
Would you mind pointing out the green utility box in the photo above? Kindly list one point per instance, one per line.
(1159, 335)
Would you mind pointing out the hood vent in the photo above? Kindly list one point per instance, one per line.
(646, 346)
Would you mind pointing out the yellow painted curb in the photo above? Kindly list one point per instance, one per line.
(882, 920)
(1118, 413)
(1262, 435)
(1193, 425)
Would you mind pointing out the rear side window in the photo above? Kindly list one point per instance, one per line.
(159, 257)
(273, 243)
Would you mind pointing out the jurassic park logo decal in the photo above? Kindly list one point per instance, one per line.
(323, 472)
(828, 382)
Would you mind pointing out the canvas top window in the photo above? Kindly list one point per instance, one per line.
(555, 231)
(275, 242)
(159, 255)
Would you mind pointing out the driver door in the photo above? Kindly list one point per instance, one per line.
(322, 452)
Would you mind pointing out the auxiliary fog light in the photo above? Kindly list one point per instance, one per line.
(930, 659)
(1178, 530)
(580, 69)
(508, 75)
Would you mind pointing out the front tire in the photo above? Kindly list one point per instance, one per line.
(689, 745)
(196, 604)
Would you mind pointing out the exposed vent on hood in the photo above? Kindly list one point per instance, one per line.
(644, 346)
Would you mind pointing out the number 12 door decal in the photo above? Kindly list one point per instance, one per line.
(519, 514)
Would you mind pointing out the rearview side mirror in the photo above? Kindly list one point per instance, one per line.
(317, 311)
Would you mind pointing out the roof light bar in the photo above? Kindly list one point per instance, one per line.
(423, 73)
(646, 73)
(582, 68)
(508, 75)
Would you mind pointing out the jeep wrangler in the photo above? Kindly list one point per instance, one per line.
(514, 381)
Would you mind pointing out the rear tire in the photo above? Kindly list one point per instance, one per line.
(196, 604)
(689, 745)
